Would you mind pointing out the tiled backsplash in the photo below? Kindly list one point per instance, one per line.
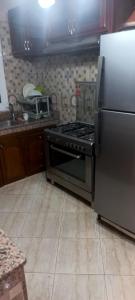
(57, 73)
(60, 73)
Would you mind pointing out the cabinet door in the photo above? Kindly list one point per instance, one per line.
(58, 21)
(27, 31)
(1, 170)
(34, 153)
(18, 39)
(35, 40)
(12, 159)
(88, 16)
(17, 23)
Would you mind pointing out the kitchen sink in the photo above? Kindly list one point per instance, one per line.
(10, 123)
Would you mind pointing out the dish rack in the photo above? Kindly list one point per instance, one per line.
(37, 107)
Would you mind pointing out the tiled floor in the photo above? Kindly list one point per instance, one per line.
(69, 255)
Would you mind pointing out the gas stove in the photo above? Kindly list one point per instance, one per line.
(70, 159)
(76, 129)
(75, 135)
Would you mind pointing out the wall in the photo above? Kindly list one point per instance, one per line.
(58, 74)
(17, 71)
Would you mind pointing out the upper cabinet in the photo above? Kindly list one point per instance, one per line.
(33, 30)
(67, 19)
(87, 17)
(27, 32)
(57, 21)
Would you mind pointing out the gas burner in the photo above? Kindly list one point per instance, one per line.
(65, 128)
(89, 137)
(76, 129)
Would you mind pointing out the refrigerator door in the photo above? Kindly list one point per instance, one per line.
(115, 169)
(118, 82)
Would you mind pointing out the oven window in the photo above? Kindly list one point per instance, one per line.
(74, 166)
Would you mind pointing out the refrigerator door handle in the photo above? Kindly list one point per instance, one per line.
(97, 133)
(98, 105)
(101, 61)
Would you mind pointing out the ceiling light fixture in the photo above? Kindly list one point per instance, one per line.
(46, 3)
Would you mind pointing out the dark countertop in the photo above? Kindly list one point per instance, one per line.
(7, 127)
(10, 256)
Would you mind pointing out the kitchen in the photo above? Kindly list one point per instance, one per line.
(67, 188)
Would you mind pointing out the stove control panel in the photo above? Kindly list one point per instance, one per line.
(79, 147)
(74, 146)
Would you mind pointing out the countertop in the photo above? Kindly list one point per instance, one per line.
(10, 256)
(7, 127)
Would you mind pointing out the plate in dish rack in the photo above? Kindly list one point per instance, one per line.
(27, 89)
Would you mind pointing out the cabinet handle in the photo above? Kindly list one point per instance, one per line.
(25, 46)
(40, 137)
(28, 45)
(1, 147)
(71, 28)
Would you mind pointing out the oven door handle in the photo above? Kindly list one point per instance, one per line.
(65, 152)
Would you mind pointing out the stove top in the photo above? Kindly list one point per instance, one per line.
(77, 136)
(76, 129)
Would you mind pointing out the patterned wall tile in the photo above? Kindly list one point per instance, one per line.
(17, 71)
(58, 74)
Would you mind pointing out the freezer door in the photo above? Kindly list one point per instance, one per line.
(115, 169)
(118, 82)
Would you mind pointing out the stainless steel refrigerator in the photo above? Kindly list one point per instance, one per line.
(115, 130)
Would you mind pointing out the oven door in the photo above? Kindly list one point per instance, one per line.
(71, 166)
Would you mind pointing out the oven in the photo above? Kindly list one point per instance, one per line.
(71, 168)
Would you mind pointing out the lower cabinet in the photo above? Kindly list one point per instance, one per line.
(11, 158)
(34, 152)
(1, 170)
(21, 154)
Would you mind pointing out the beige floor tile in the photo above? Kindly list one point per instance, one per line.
(79, 225)
(3, 219)
(118, 256)
(31, 185)
(73, 204)
(78, 287)
(48, 202)
(33, 226)
(42, 225)
(30, 188)
(108, 232)
(14, 223)
(46, 259)
(53, 200)
(39, 286)
(7, 202)
(79, 256)
(40, 254)
(120, 287)
(23, 203)
(15, 188)
(44, 186)
(51, 227)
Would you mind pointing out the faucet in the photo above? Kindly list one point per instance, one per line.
(12, 113)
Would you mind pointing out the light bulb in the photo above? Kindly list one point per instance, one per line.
(46, 3)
